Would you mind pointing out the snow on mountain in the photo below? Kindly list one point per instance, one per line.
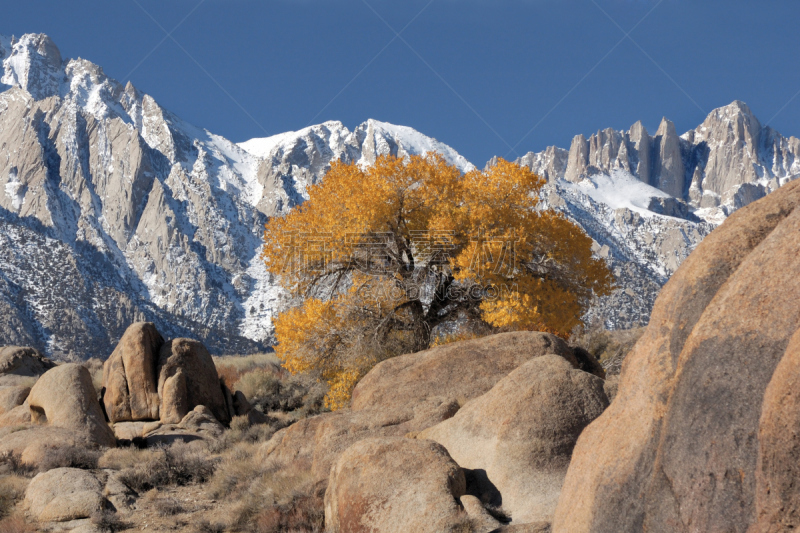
(113, 209)
(618, 190)
(153, 218)
(368, 140)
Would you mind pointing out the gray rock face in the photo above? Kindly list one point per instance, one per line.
(114, 211)
(642, 247)
(725, 163)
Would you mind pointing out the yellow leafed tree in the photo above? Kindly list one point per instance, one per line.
(378, 257)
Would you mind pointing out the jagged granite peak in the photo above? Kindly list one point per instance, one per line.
(143, 215)
(33, 63)
(114, 210)
(728, 161)
(669, 170)
(292, 161)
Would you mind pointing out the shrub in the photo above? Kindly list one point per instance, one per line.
(12, 489)
(258, 384)
(229, 375)
(204, 526)
(69, 457)
(241, 431)
(108, 521)
(163, 506)
(301, 393)
(256, 485)
(11, 464)
(125, 457)
(302, 513)
(95, 368)
(177, 464)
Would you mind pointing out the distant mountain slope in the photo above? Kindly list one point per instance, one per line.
(112, 209)
(110, 202)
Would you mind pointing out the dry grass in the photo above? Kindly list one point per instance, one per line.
(15, 524)
(70, 457)
(164, 506)
(261, 491)
(95, 368)
(12, 490)
(178, 464)
(108, 521)
(241, 431)
(231, 367)
(122, 458)
(269, 387)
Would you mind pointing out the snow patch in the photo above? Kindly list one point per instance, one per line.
(415, 143)
(618, 190)
(262, 147)
(15, 190)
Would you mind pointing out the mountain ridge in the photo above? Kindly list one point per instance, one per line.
(114, 210)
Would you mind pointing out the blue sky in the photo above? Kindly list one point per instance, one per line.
(488, 77)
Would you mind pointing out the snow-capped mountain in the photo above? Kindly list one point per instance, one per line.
(725, 163)
(112, 209)
(648, 201)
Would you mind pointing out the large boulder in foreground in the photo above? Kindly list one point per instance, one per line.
(19, 364)
(130, 375)
(778, 470)
(64, 397)
(690, 442)
(64, 494)
(456, 371)
(410, 393)
(387, 485)
(187, 377)
(520, 435)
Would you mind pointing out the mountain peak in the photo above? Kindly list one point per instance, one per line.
(666, 128)
(34, 64)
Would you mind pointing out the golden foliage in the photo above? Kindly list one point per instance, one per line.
(369, 243)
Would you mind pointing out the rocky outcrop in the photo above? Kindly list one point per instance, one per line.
(519, 436)
(385, 485)
(777, 472)
(153, 388)
(12, 397)
(680, 447)
(130, 378)
(454, 372)
(64, 494)
(159, 220)
(18, 363)
(409, 393)
(64, 397)
(187, 377)
(728, 161)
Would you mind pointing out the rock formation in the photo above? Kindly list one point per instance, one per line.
(409, 393)
(517, 439)
(64, 397)
(680, 448)
(18, 363)
(388, 485)
(187, 378)
(130, 375)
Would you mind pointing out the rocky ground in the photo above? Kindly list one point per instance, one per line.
(515, 432)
